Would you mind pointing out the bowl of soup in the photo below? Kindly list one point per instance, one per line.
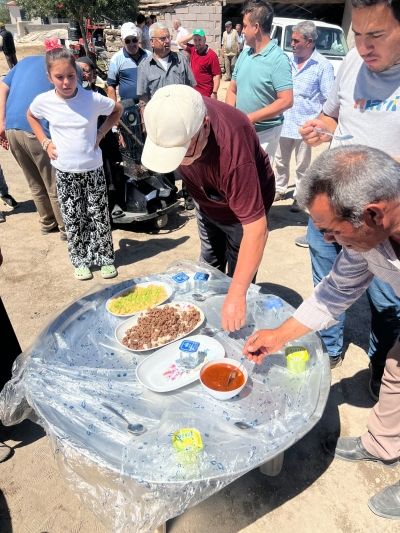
(223, 379)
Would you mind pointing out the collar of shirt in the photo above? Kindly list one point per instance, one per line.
(203, 53)
(172, 59)
(313, 59)
(142, 54)
(265, 51)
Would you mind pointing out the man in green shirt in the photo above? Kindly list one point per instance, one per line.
(262, 84)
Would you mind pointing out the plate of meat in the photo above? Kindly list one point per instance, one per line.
(159, 326)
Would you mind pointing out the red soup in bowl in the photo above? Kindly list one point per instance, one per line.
(222, 377)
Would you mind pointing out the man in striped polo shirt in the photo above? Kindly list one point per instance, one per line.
(124, 64)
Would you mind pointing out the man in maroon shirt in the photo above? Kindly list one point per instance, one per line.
(228, 174)
(204, 63)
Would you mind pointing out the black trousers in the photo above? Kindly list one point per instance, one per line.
(220, 243)
(9, 348)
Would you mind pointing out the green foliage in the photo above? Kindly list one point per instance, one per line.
(4, 14)
(120, 10)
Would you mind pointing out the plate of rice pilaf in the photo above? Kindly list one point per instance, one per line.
(139, 297)
(159, 326)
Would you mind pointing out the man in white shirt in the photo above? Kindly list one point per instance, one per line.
(181, 33)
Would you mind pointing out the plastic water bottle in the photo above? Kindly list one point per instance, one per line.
(181, 282)
(273, 312)
(269, 313)
(201, 282)
(189, 353)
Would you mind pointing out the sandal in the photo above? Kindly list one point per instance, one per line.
(108, 271)
(82, 273)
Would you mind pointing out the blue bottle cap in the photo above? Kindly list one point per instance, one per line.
(272, 303)
(201, 276)
(189, 346)
(180, 277)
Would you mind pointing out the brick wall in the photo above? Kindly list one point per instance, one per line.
(208, 17)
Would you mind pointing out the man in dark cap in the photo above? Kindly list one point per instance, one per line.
(7, 46)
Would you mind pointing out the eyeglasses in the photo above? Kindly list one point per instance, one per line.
(133, 41)
(163, 39)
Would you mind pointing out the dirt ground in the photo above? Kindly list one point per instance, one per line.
(312, 493)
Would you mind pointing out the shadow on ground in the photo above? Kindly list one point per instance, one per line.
(131, 250)
(5, 518)
(280, 216)
(23, 207)
(256, 494)
(24, 433)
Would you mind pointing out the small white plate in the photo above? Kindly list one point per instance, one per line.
(162, 372)
(167, 287)
(126, 324)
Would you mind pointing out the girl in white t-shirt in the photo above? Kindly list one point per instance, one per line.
(74, 151)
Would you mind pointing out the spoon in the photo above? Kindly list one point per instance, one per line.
(233, 373)
(322, 131)
(135, 429)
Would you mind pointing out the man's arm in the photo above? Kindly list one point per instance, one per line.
(347, 281)
(268, 341)
(4, 90)
(183, 41)
(230, 97)
(284, 100)
(113, 78)
(251, 250)
(309, 129)
(216, 82)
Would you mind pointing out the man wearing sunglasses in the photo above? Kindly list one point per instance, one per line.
(124, 64)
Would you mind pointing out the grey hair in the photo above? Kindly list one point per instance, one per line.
(157, 26)
(352, 177)
(307, 29)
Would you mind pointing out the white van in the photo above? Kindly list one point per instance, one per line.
(331, 41)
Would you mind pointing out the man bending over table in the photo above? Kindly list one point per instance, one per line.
(353, 196)
(218, 154)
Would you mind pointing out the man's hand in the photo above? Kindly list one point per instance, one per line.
(310, 134)
(262, 343)
(233, 312)
(3, 130)
(268, 341)
(4, 143)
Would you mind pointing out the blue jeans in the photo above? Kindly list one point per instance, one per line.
(385, 305)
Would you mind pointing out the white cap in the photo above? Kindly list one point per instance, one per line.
(172, 117)
(129, 29)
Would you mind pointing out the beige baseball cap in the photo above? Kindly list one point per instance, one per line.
(172, 117)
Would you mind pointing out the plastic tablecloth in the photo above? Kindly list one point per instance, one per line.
(75, 369)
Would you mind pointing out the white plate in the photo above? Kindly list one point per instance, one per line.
(168, 289)
(126, 324)
(161, 371)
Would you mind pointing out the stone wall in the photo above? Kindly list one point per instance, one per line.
(207, 17)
